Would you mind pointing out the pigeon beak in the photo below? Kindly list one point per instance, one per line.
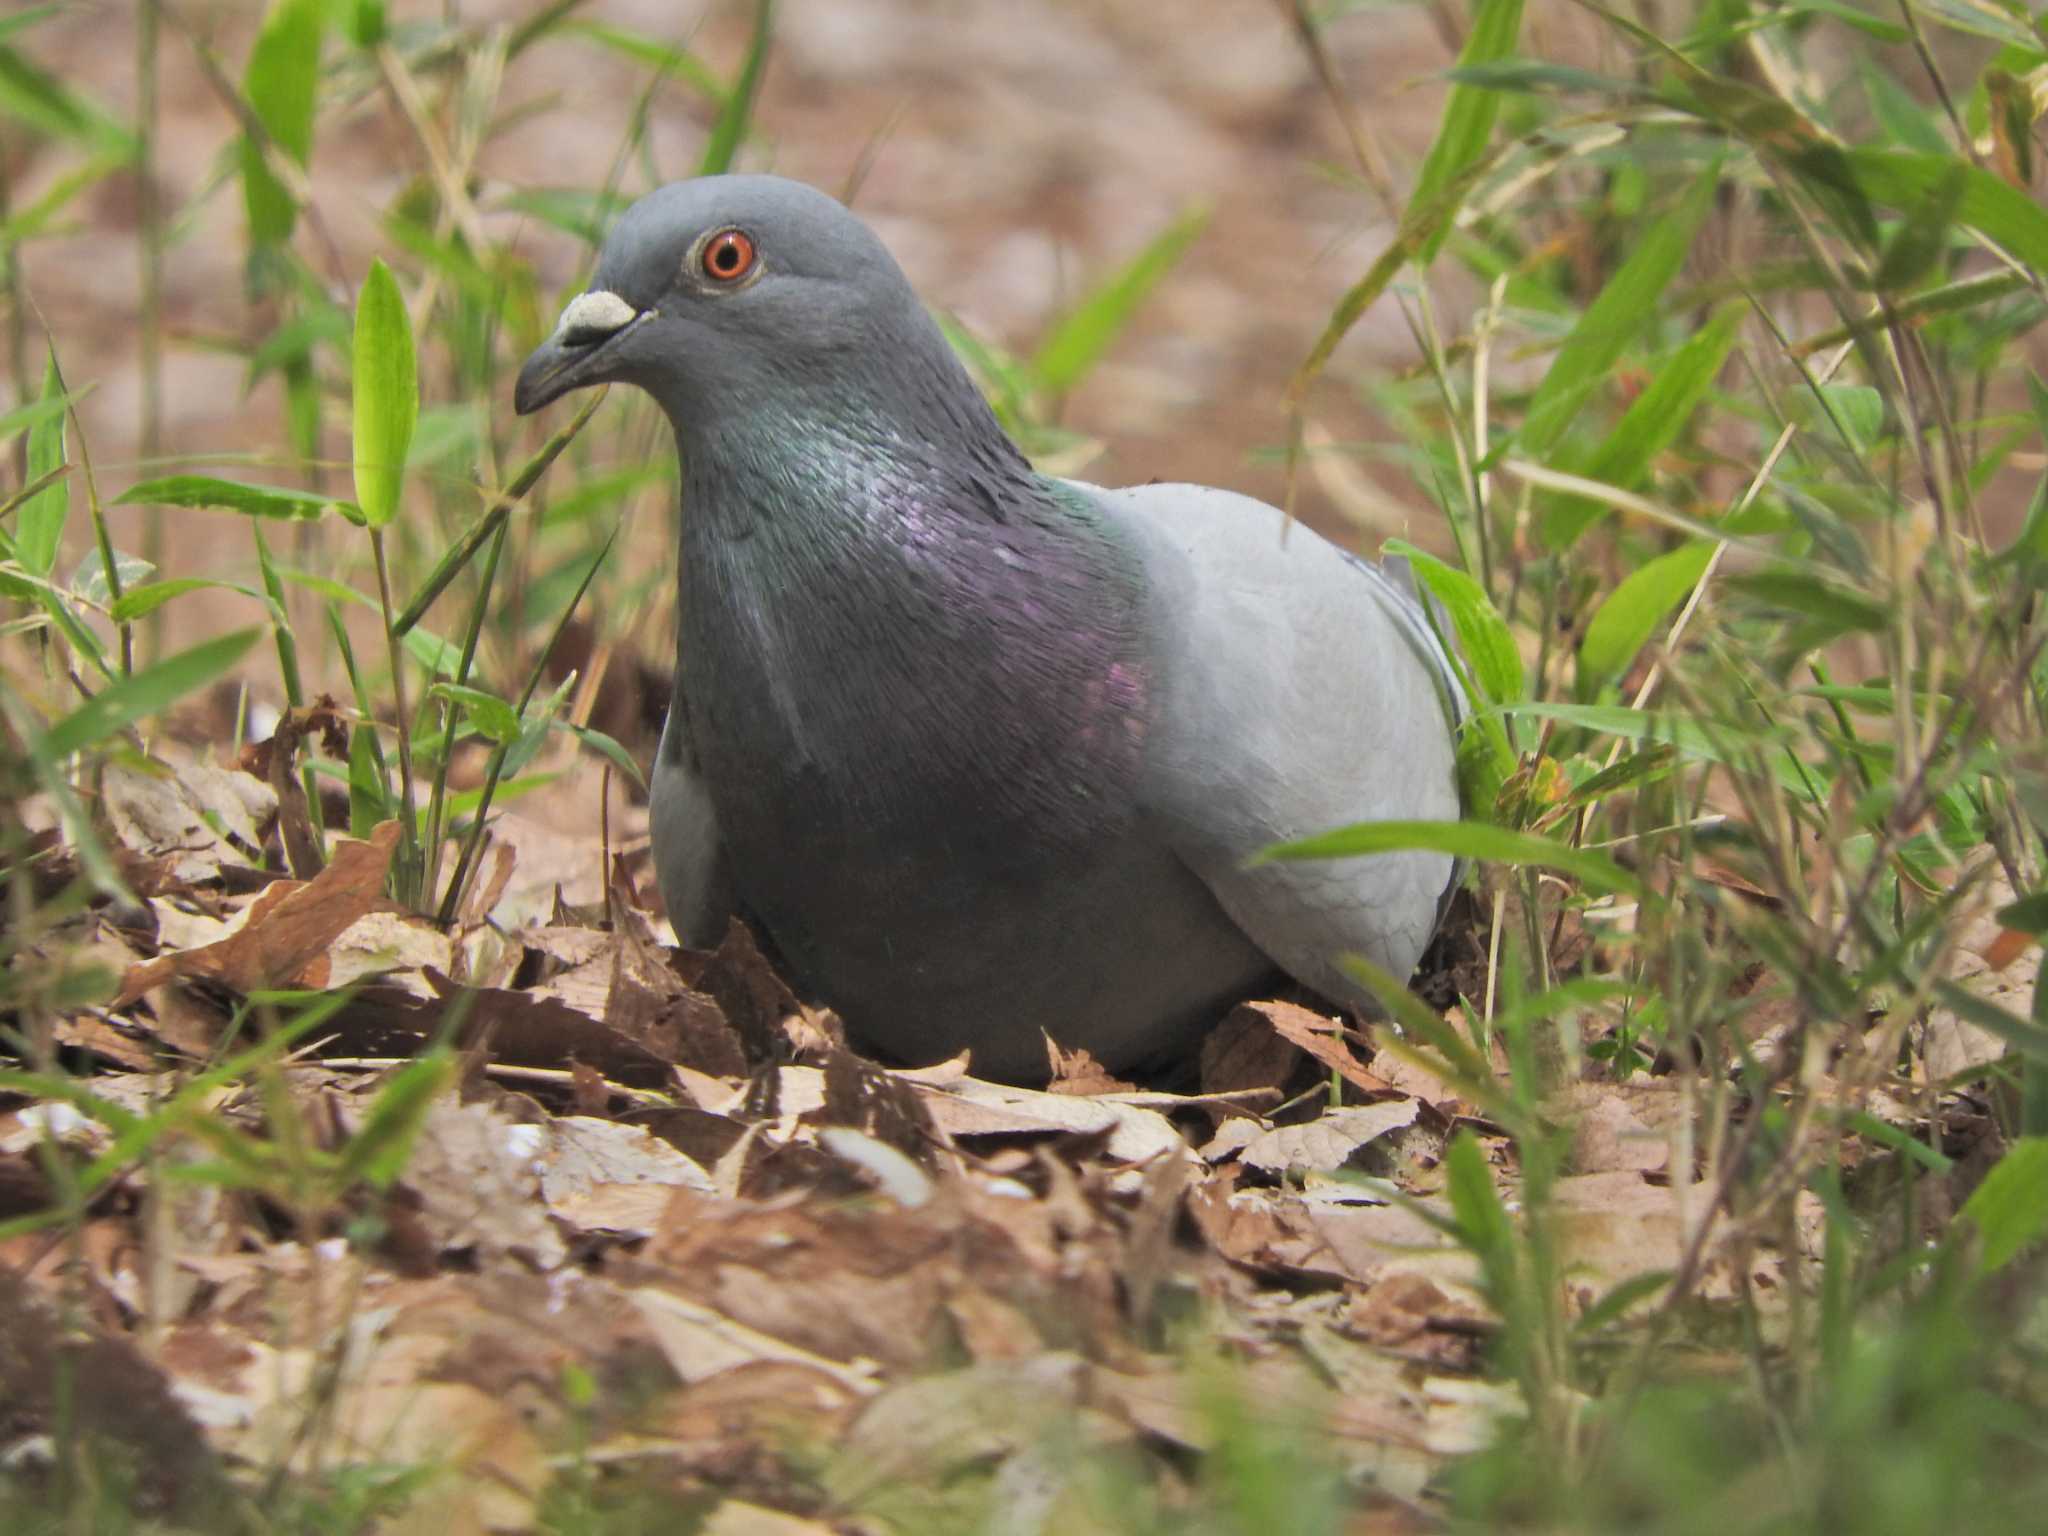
(572, 357)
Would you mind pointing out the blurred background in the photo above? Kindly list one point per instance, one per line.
(1009, 151)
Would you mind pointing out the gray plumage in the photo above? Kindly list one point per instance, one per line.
(984, 751)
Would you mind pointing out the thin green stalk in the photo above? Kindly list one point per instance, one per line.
(109, 567)
(288, 673)
(409, 858)
(473, 845)
(149, 223)
(478, 533)
(438, 800)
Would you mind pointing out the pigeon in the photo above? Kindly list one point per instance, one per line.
(989, 753)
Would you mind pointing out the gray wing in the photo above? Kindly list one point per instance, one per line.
(1303, 690)
(689, 858)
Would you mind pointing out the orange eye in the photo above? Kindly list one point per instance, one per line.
(728, 256)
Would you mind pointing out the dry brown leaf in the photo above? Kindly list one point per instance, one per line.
(1078, 1072)
(390, 945)
(1330, 1141)
(475, 1172)
(599, 1176)
(1955, 1048)
(1608, 1135)
(289, 928)
(164, 815)
(1323, 1040)
(922, 1429)
(1243, 1052)
(701, 1342)
(971, 1108)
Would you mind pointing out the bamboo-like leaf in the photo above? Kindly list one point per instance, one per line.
(2010, 1208)
(1622, 624)
(45, 105)
(1906, 181)
(206, 491)
(39, 525)
(1467, 124)
(387, 395)
(1650, 424)
(1624, 307)
(1464, 840)
(148, 692)
(1482, 633)
(281, 84)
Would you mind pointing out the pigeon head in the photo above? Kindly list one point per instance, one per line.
(731, 293)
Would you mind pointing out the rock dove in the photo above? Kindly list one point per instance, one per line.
(984, 751)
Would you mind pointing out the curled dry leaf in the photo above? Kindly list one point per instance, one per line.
(1322, 1039)
(289, 928)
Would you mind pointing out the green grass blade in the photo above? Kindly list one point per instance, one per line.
(1464, 840)
(39, 525)
(1482, 633)
(1649, 426)
(728, 132)
(1621, 625)
(148, 692)
(1467, 124)
(1077, 343)
(1627, 304)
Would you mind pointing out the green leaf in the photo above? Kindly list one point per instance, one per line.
(148, 692)
(491, 715)
(89, 577)
(281, 84)
(1906, 181)
(27, 417)
(39, 525)
(138, 602)
(2027, 915)
(1483, 1223)
(609, 748)
(2010, 1208)
(1902, 118)
(45, 106)
(233, 496)
(1464, 840)
(1078, 341)
(28, 16)
(1855, 412)
(1622, 624)
(1690, 737)
(1649, 426)
(1922, 238)
(367, 23)
(731, 128)
(1834, 609)
(1483, 634)
(387, 395)
(377, 1154)
(1624, 307)
(1467, 124)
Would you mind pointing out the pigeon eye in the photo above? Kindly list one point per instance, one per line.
(728, 256)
